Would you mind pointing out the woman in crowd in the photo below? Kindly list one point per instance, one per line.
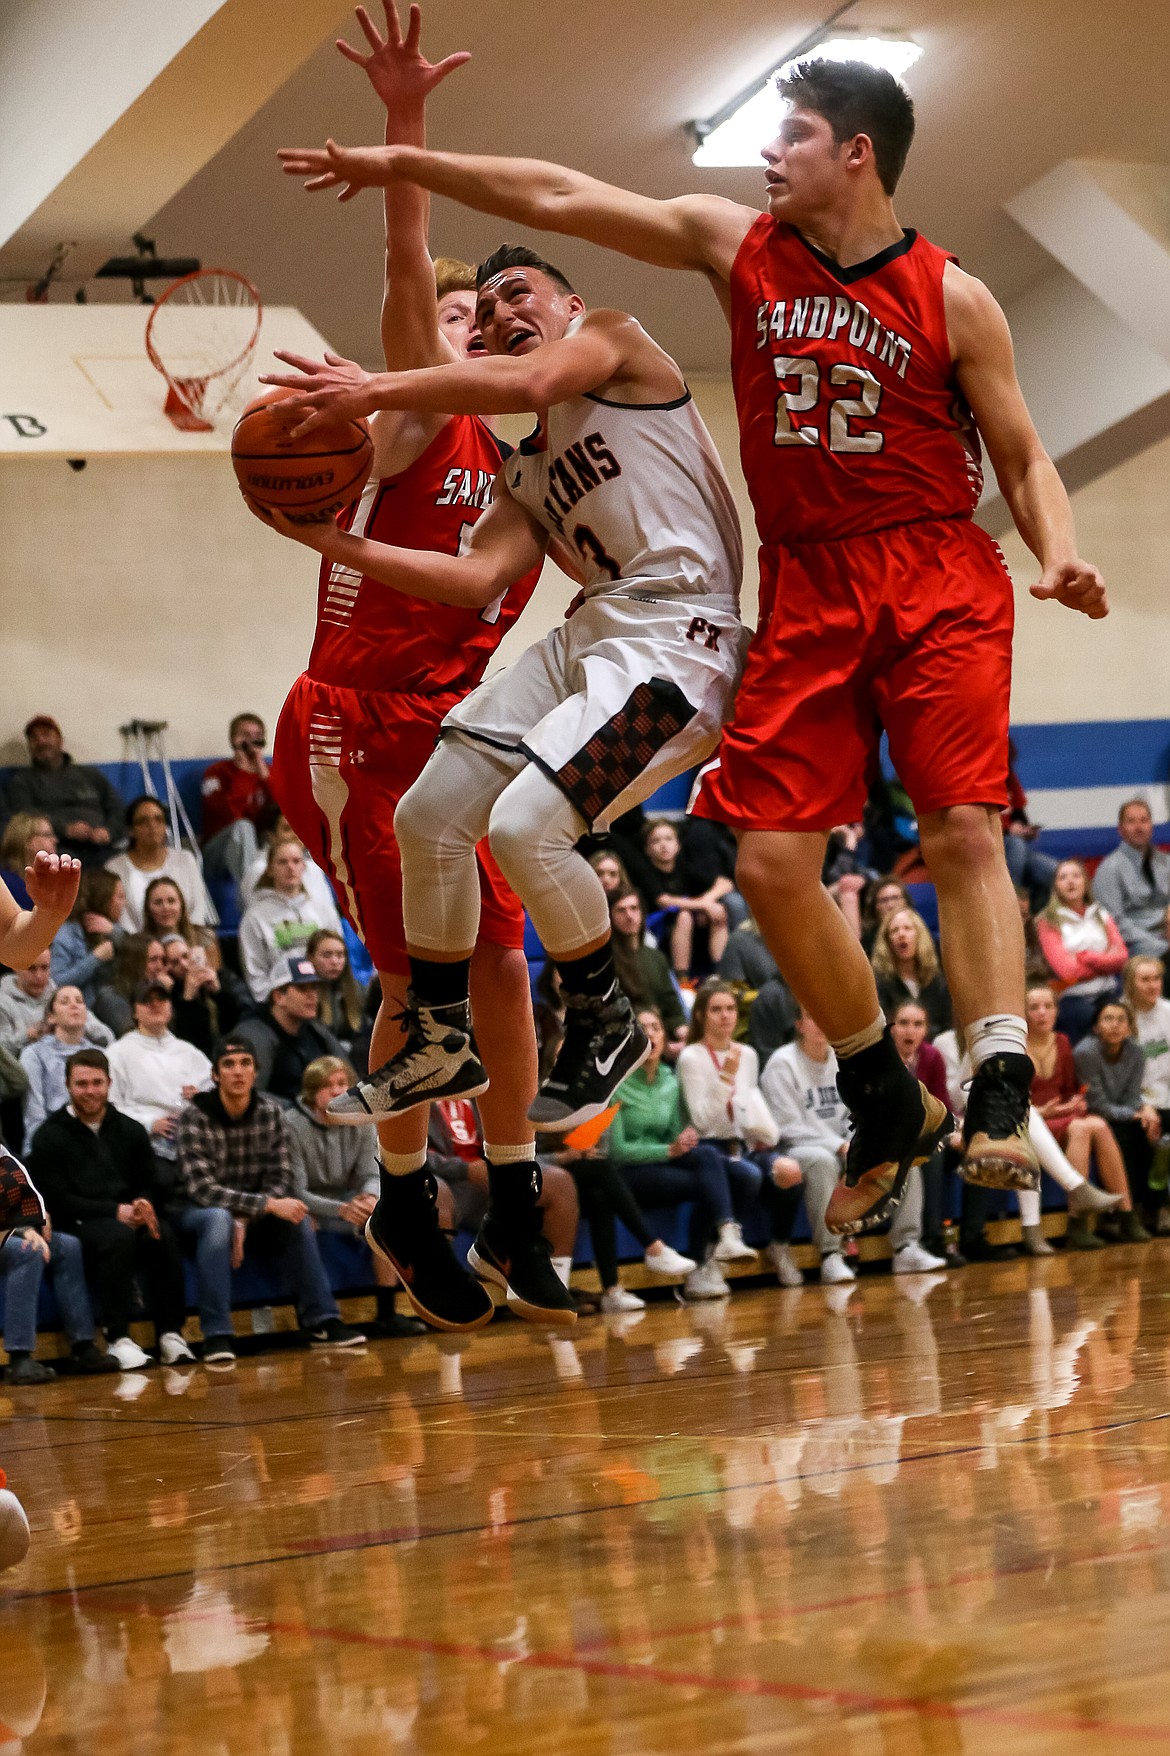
(1111, 1066)
(923, 1219)
(1079, 1137)
(69, 1026)
(880, 899)
(610, 870)
(139, 958)
(642, 971)
(316, 883)
(341, 1002)
(700, 918)
(150, 855)
(1151, 1011)
(201, 1010)
(1083, 946)
(83, 950)
(336, 1176)
(164, 911)
(281, 917)
(664, 1163)
(25, 835)
(906, 966)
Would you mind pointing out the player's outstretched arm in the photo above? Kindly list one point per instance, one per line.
(1027, 477)
(700, 232)
(505, 544)
(51, 882)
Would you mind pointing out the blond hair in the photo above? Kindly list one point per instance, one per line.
(925, 956)
(1129, 975)
(453, 276)
(19, 832)
(1051, 910)
(319, 1072)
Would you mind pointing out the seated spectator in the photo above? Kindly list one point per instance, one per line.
(799, 1085)
(150, 855)
(335, 1173)
(1111, 1066)
(100, 1182)
(844, 874)
(612, 873)
(1030, 869)
(24, 994)
(80, 803)
(919, 1215)
(237, 1194)
(674, 885)
(881, 898)
(238, 806)
(1144, 979)
(751, 969)
(1036, 966)
(25, 835)
(316, 881)
(287, 1035)
(203, 1008)
(1057, 1099)
(153, 1073)
(139, 957)
(83, 950)
(69, 1026)
(1082, 946)
(340, 1008)
(281, 918)
(164, 911)
(1133, 883)
(642, 971)
(906, 966)
(25, 1258)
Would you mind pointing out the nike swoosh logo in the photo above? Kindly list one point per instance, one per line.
(606, 1066)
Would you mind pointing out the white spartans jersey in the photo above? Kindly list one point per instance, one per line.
(639, 494)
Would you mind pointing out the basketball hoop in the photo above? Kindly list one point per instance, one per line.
(201, 336)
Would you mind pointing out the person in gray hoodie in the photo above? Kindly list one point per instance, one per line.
(23, 997)
(1111, 1066)
(68, 1027)
(335, 1171)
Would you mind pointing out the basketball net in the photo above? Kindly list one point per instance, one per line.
(201, 335)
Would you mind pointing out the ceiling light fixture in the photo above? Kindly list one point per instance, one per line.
(737, 132)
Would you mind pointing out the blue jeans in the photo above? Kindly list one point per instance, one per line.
(720, 1187)
(23, 1267)
(293, 1248)
(1030, 868)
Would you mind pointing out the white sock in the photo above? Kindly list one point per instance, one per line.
(1029, 1200)
(861, 1039)
(509, 1155)
(1000, 1033)
(402, 1164)
(564, 1268)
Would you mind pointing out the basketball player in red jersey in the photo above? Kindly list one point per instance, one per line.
(359, 725)
(864, 363)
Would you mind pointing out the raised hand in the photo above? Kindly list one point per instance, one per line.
(395, 67)
(324, 388)
(348, 168)
(1076, 585)
(51, 882)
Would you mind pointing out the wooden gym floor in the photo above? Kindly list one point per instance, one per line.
(932, 1519)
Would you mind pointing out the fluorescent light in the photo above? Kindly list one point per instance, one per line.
(736, 135)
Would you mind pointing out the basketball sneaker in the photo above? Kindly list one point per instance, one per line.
(896, 1125)
(997, 1148)
(404, 1231)
(603, 1044)
(20, 1200)
(512, 1252)
(439, 1059)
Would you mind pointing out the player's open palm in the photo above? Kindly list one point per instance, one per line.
(1076, 585)
(51, 882)
(395, 66)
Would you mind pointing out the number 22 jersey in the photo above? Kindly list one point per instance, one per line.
(851, 419)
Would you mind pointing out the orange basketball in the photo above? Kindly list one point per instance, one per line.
(308, 479)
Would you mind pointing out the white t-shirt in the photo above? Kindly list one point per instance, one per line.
(1153, 1035)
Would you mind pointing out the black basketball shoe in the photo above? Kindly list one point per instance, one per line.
(896, 1125)
(404, 1231)
(439, 1059)
(512, 1252)
(603, 1044)
(997, 1148)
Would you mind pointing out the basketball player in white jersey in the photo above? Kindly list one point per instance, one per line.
(629, 691)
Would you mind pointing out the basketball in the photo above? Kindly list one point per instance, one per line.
(308, 479)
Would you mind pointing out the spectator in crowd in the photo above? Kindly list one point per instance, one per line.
(610, 870)
(202, 1007)
(916, 1233)
(881, 898)
(317, 884)
(1133, 883)
(1111, 1066)
(69, 1026)
(1082, 945)
(24, 995)
(642, 971)
(238, 806)
(1059, 1104)
(844, 873)
(335, 1173)
(548, 1014)
(1144, 981)
(153, 1073)
(80, 803)
(25, 1258)
(150, 855)
(164, 911)
(237, 1185)
(753, 972)
(100, 1182)
(84, 948)
(281, 918)
(1029, 868)
(139, 956)
(674, 885)
(287, 1035)
(1036, 966)
(341, 1002)
(25, 835)
(906, 966)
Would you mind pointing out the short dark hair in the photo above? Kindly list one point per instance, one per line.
(243, 719)
(87, 1058)
(519, 256)
(855, 98)
(1134, 805)
(136, 805)
(231, 1046)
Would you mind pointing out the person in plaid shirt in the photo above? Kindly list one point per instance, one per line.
(236, 1183)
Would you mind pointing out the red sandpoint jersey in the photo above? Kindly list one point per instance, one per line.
(850, 415)
(372, 637)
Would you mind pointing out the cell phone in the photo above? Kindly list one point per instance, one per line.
(199, 956)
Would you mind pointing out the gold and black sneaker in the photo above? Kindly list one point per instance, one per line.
(439, 1059)
(997, 1148)
(897, 1124)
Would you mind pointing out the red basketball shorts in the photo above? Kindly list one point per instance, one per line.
(909, 631)
(341, 761)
